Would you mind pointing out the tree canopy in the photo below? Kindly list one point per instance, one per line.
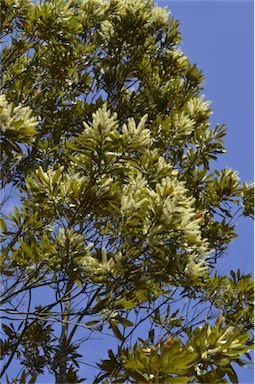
(119, 219)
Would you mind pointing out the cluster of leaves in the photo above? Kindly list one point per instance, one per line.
(234, 296)
(205, 358)
(110, 145)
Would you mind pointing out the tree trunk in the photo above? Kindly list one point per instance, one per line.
(62, 372)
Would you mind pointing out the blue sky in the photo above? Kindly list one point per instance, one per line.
(218, 36)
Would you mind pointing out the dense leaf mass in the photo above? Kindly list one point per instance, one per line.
(107, 143)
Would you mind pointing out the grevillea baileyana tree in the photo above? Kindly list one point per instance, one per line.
(119, 219)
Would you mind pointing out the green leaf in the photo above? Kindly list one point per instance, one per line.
(26, 248)
(7, 330)
(92, 322)
(231, 374)
(23, 378)
(116, 330)
(177, 380)
(125, 322)
(100, 305)
(78, 283)
(32, 379)
(127, 304)
(3, 225)
(152, 335)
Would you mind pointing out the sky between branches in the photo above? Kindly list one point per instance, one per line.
(218, 36)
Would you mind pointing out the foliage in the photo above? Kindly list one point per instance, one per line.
(206, 357)
(107, 140)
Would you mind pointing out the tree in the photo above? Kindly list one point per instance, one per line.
(120, 220)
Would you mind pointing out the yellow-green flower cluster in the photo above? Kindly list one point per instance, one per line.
(17, 126)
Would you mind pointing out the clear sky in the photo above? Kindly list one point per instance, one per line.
(218, 36)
